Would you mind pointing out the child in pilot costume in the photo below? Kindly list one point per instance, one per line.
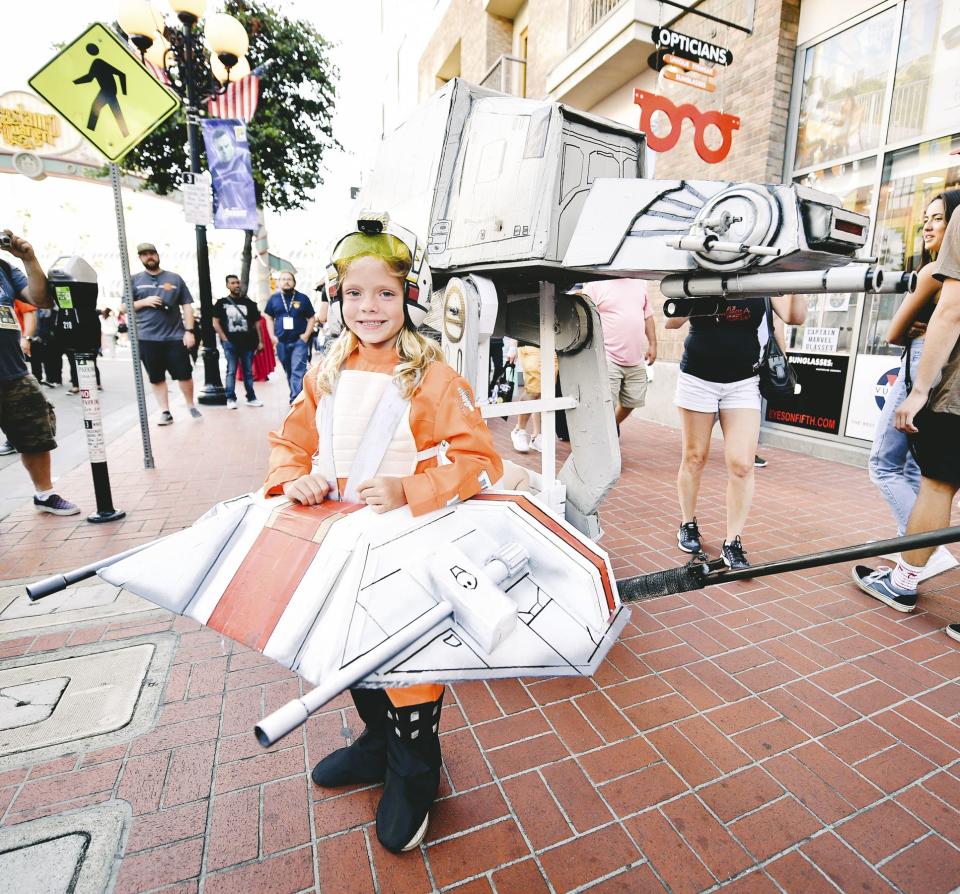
(382, 420)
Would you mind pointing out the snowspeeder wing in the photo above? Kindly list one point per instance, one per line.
(320, 588)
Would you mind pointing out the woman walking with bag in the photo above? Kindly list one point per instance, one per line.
(718, 377)
(892, 466)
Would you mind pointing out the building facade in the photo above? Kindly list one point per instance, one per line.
(860, 99)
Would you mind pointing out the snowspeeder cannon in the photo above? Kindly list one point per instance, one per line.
(493, 587)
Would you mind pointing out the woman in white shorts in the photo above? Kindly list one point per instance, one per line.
(718, 377)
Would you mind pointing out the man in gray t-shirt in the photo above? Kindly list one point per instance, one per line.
(930, 416)
(165, 334)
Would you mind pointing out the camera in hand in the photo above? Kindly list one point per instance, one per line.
(6, 240)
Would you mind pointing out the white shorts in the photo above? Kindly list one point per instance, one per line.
(710, 397)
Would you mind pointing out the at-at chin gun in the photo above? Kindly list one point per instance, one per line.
(699, 295)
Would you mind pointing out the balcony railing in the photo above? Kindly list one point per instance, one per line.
(585, 15)
(506, 75)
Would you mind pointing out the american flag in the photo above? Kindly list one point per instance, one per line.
(157, 72)
(239, 100)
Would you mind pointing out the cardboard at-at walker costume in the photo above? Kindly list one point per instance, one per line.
(520, 200)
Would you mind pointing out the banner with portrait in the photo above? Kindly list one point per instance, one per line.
(228, 158)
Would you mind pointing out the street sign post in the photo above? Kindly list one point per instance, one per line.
(98, 85)
(101, 88)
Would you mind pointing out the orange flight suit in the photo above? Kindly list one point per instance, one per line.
(441, 409)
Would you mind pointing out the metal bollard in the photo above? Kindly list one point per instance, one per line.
(96, 445)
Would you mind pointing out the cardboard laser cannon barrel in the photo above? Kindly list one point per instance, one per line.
(468, 594)
(489, 588)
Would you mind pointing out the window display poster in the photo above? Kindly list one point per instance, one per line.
(820, 338)
(820, 402)
(873, 377)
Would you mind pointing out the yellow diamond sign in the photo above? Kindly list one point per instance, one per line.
(101, 88)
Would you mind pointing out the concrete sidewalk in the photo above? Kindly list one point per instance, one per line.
(786, 734)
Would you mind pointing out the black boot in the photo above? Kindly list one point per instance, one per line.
(364, 761)
(413, 775)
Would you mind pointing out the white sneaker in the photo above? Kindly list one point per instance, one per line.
(255, 403)
(521, 440)
(537, 443)
(942, 560)
(231, 404)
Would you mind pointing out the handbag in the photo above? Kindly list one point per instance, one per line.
(777, 376)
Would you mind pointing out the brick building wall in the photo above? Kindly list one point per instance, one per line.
(483, 38)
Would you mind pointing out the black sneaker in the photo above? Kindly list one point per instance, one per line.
(953, 631)
(733, 554)
(688, 537)
(759, 462)
(55, 505)
(6, 448)
(166, 418)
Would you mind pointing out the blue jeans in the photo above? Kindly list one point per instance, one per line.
(892, 466)
(245, 358)
(293, 358)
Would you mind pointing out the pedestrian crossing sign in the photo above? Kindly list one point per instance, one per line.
(101, 88)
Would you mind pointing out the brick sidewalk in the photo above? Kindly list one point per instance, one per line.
(779, 735)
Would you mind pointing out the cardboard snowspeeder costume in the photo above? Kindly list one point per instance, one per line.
(491, 587)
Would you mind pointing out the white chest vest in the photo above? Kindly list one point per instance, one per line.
(364, 430)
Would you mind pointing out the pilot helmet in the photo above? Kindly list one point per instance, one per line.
(376, 235)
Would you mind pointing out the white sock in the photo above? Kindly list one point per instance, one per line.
(44, 494)
(904, 576)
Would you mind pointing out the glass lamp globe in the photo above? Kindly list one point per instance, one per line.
(235, 73)
(226, 36)
(157, 54)
(189, 11)
(138, 18)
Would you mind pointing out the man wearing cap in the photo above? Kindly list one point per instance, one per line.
(165, 334)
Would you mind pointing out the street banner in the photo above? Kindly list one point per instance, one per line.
(98, 85)
(228, 157)
(819, 404)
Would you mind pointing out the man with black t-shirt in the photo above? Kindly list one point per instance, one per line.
(236, 319)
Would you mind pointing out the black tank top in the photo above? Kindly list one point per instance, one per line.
(725, 348)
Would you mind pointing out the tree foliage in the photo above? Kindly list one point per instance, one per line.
(291, 130)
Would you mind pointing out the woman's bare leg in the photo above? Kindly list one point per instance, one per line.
(695, 448)
(741, 432)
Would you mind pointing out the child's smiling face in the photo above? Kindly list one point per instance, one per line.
(373, 301)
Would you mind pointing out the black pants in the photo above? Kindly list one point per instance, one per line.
(74, 380)
(496, 363)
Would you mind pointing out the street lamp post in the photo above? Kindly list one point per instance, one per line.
(176, 51)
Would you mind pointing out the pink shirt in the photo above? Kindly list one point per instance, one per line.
(624, 307)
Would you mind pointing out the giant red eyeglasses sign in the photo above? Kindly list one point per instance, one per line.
(725, 124)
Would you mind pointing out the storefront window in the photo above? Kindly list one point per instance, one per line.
(926, 90)
(911, 178)
(844, 81)
(831, 318)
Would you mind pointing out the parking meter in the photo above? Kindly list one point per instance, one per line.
(74, 285)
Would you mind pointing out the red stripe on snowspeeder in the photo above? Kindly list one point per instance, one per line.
(551, 524)
(270, 573)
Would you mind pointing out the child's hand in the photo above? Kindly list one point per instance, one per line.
(308, 490)
(382, 494)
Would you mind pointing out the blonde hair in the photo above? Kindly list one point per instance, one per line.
(416, 351)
